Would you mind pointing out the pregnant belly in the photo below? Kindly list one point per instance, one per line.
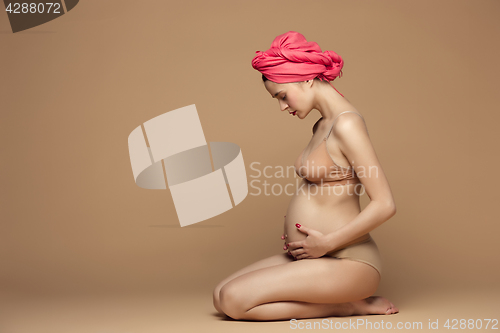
(319, 213)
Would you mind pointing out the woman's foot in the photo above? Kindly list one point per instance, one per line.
(374, 305)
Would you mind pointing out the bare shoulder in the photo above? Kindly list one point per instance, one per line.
(348, 124)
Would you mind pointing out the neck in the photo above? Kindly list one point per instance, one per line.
(329, 102)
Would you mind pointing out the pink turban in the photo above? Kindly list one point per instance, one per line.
(292, 58)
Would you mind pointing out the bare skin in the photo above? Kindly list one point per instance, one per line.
(304, 283)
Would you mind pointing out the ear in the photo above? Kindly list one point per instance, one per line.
(306, 84)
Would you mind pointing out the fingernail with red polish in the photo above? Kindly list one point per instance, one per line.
(297, 225)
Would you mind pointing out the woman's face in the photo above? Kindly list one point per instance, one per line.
(294, 97)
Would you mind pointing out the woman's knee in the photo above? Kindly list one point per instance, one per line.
(216, 300)
(216, 295)
(231, 301)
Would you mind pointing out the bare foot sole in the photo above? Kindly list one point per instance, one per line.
(374, 305)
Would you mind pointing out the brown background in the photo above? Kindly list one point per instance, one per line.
(84, 249)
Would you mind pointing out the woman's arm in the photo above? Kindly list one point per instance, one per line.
(372, 216)
(354, 142)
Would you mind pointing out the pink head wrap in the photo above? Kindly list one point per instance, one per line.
(292, 58)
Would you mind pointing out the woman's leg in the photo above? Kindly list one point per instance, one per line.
(307, 288)
(277, 259)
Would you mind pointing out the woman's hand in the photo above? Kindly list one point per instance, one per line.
(314, 246)
(285, 247)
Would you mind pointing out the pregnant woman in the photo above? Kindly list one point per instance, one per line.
(332, 265)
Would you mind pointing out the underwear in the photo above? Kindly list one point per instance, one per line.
(320, 167)
(365, 251)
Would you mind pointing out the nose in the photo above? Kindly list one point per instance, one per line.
(283, 105)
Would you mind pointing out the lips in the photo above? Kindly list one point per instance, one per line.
(293, 113)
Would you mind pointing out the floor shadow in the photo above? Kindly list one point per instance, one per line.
(188, 226)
